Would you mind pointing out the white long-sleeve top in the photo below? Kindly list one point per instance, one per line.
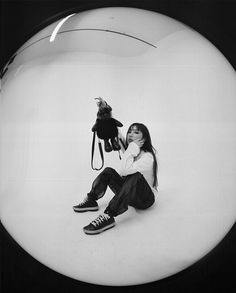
(135, 161)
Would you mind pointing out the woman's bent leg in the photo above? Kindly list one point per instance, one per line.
(135, 192)
(108, 177)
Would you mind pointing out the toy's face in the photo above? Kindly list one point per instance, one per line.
(104, 113)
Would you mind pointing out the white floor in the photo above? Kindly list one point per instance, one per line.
(144, 245)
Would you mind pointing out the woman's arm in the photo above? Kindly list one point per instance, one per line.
(130, 166)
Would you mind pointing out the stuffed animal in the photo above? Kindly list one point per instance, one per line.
(106, 126)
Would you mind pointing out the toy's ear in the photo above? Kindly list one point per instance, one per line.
(99, 102)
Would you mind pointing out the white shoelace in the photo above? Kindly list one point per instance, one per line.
(100, 219)
(84, 201)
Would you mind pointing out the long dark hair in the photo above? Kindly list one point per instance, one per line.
(147, 147)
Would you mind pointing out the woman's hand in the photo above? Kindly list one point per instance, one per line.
(139, 142)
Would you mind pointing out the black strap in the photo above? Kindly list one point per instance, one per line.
(101, 152)
(121, 141)
(122, 145)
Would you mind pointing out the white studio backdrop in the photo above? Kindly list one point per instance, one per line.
(182, 89)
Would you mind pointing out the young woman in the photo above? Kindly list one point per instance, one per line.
(135, 185)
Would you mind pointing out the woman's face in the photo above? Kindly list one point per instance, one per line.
(133, 134)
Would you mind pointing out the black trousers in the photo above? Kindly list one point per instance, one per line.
(132, 190)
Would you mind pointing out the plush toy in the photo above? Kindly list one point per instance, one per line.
(106, 126)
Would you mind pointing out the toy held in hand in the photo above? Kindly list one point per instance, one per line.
(106, 126)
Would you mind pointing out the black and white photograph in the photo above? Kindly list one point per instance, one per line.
(117, 146)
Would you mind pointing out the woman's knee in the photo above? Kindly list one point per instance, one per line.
(108, 170)
(135, 176)
(108, 173)
(138, 175)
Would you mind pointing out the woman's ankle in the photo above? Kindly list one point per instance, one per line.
(91, 196)
(108, 212)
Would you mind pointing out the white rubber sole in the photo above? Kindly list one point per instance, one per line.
(81, 210)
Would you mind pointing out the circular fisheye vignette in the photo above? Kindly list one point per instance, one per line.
(191, 215)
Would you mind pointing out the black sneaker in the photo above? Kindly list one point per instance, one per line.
(86, 205)
(100, 224)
